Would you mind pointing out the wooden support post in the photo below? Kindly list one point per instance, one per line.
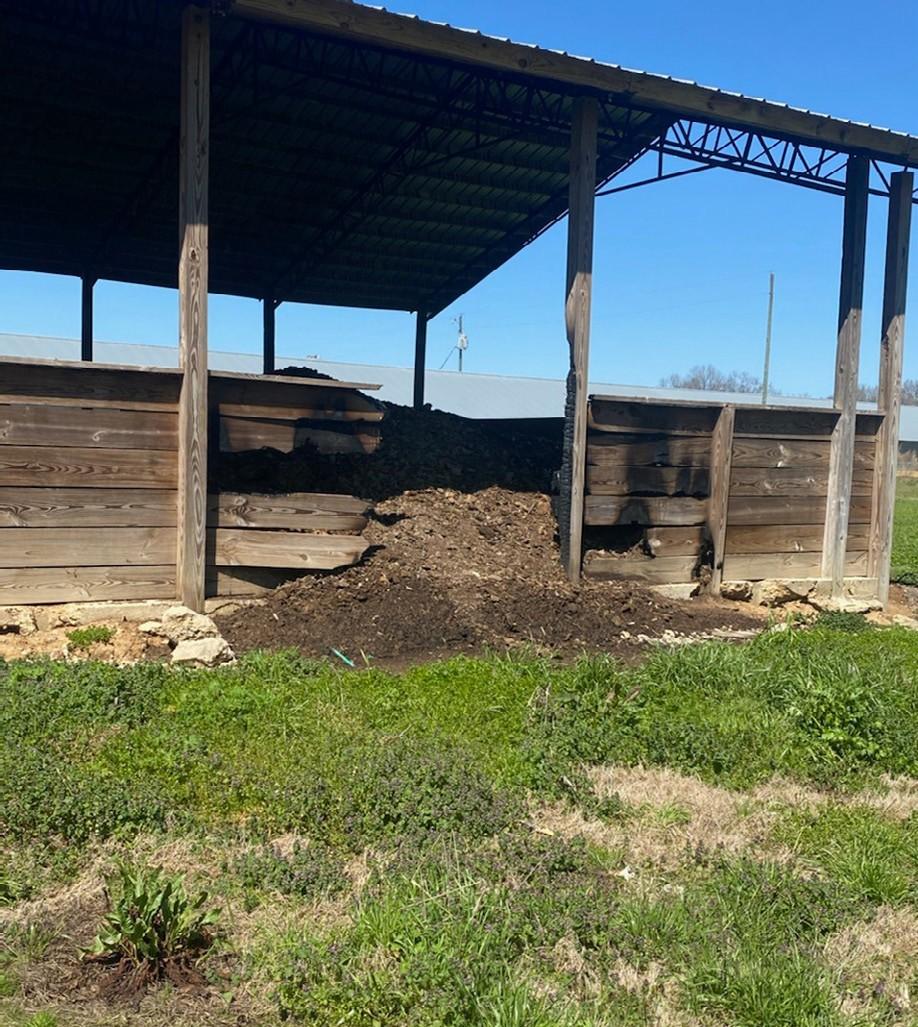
(420, 358)
(86, 330)
(721, 470)
(851, 302)
(889, 394)
(193, 267)
(577, 316)
(268, 311)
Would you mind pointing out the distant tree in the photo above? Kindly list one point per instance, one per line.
(709, 378)
(868, 393)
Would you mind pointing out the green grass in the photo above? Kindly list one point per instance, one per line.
(905, 532)
(282, 775)
(83, 638)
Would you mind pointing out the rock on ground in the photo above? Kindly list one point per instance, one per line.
(202, 652)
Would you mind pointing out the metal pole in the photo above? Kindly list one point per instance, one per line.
(420, 358)
(771, 312)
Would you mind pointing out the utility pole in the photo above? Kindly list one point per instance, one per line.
(462, 344)
(771, 312)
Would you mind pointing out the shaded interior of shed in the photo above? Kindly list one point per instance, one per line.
(341, 173)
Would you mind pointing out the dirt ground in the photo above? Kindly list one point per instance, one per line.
(464, 555)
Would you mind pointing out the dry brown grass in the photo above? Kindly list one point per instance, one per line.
(673, 815)
(877, 961)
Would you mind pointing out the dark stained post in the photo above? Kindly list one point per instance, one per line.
(420, 358)
(86, 329)
(268, 309)
(889, 394)
(193, 268)
(577, 316)
(851, 302)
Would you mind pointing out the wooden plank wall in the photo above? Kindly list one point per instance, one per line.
(648, 467)
(654, 467)
(779, 483)
(253, 415)
(88, 478)
(256, 542)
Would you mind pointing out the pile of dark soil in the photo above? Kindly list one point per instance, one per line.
(420, 450)
(464, 556)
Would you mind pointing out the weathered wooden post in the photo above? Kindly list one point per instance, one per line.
(582, 204)
(269, 323)
(889, 394)
(86, 328)
(420, 358)
(851, 302)
(193, 268)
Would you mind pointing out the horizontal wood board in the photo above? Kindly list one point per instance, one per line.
(786, 565)
(658, 570)
(86, 547)
(242, 547)
(778, 452)
(662, 511)
(629, 450)
(662, 481)
(308, 511)
(745, 510)
(82, 584)
(788, 538)
(88, 467)
(39, 424)
(52, 507)
(792, 481)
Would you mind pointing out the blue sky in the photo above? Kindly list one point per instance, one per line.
(681, 267)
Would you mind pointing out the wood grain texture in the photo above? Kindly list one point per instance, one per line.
(35, 424)
(23, 507)
(788, 538)
(662, 511)
(889, 399)
(688, 541)
(793, 481)
(76, 384)
(722, 447)
(775, 452)
(193, 278)
(658, 570)
(233, 547)
(745, 510)
(773, 422)
(82, 584)
(786, 565)
(291, 399)
(636, 417)
(662, 481)
(86, 547)
(238, 434)
(302, 510)
(89, 468)
(627, 450)
(246, 581)
(847, 360)
(578, 306)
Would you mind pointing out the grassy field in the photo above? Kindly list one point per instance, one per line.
(905, 532)
(722, 836)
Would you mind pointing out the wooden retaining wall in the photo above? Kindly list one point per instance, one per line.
(89, 478)
(779, 476)
(722, 492)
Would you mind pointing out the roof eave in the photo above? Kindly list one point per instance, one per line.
(655, 92)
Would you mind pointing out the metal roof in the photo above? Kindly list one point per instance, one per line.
(357, 157)
(468, 394)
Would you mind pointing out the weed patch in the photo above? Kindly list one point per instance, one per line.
(93, 634)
